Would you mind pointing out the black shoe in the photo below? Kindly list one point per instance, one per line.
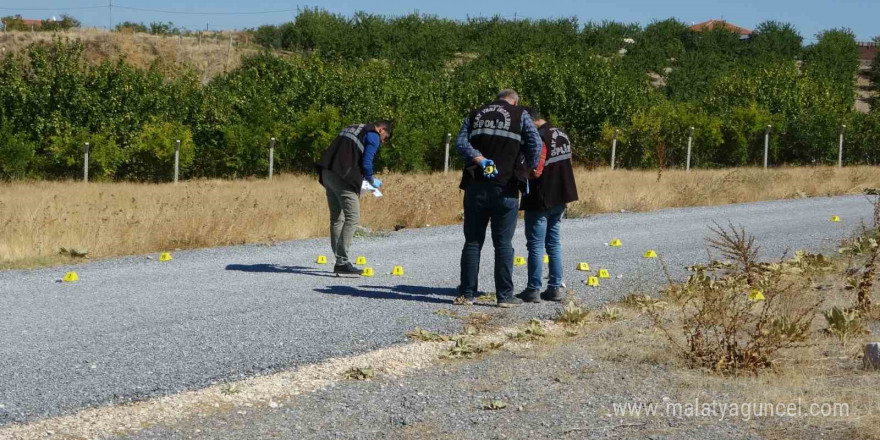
(553, 294)
(530, 295)
(346, 269)
(507, 303)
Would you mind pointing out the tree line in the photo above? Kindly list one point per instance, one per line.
(645, 85)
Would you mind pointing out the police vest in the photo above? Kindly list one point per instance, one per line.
(345, 155)
(496, 132)
(556, 186)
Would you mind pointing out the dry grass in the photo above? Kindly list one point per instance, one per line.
(112, 219)
(210, 55)
(826, 370)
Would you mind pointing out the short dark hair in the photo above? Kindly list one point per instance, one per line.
(535, 113)
(387, 125)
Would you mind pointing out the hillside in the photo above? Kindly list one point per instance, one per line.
(209, 53)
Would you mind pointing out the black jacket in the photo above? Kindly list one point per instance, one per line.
(556, 185)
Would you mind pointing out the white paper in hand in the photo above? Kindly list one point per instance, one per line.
(367, 187)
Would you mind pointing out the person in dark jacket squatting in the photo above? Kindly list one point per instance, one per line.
(497, 142)
(552, 186)
(343, 168)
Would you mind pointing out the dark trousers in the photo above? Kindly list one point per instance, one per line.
(484, 203)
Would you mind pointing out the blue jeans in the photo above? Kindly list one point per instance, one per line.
(543, 232)
(484, 203)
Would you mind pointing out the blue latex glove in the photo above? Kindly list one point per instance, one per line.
(376, 182)
(490, 171)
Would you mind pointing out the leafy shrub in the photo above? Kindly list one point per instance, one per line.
(67, 152)
(151, 154)
(16, 153)
(737, 317)
(844, 324)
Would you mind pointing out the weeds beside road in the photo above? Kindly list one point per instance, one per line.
(113, 219)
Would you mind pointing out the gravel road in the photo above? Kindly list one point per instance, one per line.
(134, 328)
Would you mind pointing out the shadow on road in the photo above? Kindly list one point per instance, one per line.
(419, 290)
(275, 268)
(378, 294)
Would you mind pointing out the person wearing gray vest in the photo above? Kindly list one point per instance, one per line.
(499, 144)
(343, 168)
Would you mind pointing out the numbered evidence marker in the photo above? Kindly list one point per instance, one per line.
(165, 256)
(835, 219)
(603, 273)
(368, 272)
(593, 281)
(397, 271)
(322, 259)
(756, 296)
(70, 277)
(615, 243)
(519, 261)
(361, 260)
(583, 267)
(650, 253)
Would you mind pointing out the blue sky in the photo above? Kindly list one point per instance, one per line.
(808, 16)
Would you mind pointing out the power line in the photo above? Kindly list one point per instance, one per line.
(52, 9)
(111, 5)
(178, 12)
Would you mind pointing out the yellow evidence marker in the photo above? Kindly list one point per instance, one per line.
(546, 258)
(519, 261)
(835, 219)
(165, 256)
(397, 271)
(615, 243)
(361, 260)
(756, 295)
(651, 253)
(584, 267)
(368, 272)
(322, 259)
(70, 277)
(603, 273)
(593, 281)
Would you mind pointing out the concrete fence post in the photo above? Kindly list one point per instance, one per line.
(176, 160)
(614, 149)
(446, 157)
(86, 164)
(767, 144)
(690, 143)
(840, 147)
(271, 157)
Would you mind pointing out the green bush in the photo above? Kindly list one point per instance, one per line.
(151, 154)
(67, 151)
(16, 153)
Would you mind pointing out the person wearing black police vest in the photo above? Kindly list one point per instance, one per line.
(499, 144)
(551, 187)
(343, 168)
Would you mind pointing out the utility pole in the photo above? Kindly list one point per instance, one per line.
(614, 148)
(690, 141)
(446, 156)
(767, 144)
(111, 14)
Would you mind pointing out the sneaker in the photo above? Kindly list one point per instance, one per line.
(464, 301)
(530, 295)
(509, 302)
(346, 269)
(553, 294)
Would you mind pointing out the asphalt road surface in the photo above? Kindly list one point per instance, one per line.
(134, 328)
